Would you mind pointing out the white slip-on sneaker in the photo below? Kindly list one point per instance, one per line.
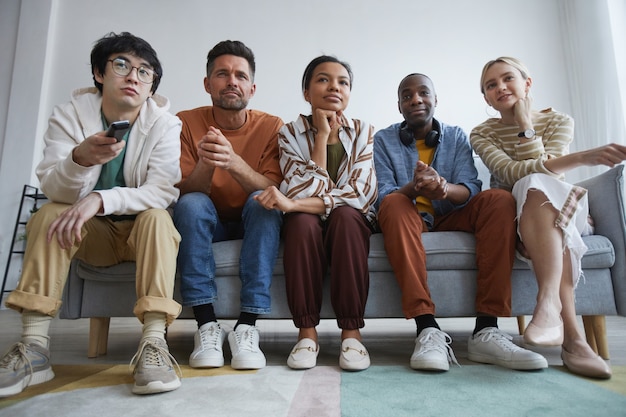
(304, 354)
(491, 345)
(432, 351)
(207, 342)
(353, 356)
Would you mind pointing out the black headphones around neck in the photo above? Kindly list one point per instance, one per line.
(431, 139)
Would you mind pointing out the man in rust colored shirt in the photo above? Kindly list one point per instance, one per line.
(228, 155)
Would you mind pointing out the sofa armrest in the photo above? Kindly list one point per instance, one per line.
(606, 206)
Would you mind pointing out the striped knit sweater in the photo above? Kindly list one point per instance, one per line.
(498, 146)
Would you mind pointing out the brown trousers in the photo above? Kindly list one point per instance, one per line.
(311, 245)
(490, 215)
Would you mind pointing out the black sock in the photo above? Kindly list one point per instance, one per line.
(424, 321)
(204, 314)
(247, 318)
(484, 322)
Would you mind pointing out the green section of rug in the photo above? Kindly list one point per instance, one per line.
(475, 390)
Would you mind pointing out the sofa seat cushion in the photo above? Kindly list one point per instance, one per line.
(444, 251)
(456, 251)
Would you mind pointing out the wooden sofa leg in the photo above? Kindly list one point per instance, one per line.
(595, 331)
(98, 336)
(521, 324)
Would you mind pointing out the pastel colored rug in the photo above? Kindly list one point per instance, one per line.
(396, 391)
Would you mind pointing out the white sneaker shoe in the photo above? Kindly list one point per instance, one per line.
(303, 355)
(491, 345)
(207, 346)
(244, 346)
(432, 351)
(354, 356)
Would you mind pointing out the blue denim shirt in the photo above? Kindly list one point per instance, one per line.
(453, 160)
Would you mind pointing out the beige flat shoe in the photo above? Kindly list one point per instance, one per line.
(594, 367)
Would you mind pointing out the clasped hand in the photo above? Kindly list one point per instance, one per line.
(215, 150)
(428, 183)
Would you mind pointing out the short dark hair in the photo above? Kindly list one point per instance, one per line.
(308, 72)
(236, 48)
(414, 74)
(112, 43)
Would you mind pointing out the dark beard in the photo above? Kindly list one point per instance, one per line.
(230, 104)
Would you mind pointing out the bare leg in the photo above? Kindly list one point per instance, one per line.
(307, 333)
(355, 333)
(553, 269)
(544, 244)
(574, 341)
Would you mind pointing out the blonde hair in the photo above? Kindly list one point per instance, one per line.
(514, 62)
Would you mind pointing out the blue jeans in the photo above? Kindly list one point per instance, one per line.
(197, 221)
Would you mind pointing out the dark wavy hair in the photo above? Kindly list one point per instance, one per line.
(308, 72)
(123, 42)
(236, 48)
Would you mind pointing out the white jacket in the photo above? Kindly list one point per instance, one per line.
(151, 163)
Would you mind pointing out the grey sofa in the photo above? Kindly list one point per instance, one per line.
(102, 293)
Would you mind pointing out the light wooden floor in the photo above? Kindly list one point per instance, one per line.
(389, 341)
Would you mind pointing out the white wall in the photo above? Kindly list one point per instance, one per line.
(383, 41)
(449, 40)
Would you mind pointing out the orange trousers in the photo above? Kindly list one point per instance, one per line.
(490, 215)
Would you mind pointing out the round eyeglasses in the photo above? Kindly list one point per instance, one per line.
(122, 68)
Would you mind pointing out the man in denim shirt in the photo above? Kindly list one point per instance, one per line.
(427, 181)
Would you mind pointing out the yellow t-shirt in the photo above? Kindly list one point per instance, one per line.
(426, 153)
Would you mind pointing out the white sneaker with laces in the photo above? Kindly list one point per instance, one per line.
(491, 345)
(244, 347)
(207, 342)
(432, 351)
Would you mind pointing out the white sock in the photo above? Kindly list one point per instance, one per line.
(35, 328)
(154, 325)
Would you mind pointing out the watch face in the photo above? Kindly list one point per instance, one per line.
(529, 133)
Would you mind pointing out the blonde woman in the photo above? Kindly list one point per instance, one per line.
(526, 152)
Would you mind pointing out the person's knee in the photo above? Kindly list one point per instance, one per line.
(498, 199)
(393, 206)
(257, 212)
(191, 205)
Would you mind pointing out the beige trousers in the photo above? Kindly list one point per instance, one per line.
(151, 240)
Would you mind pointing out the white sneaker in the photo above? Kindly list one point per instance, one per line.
(491, 345)
(354, 356)
(207, 346)
(432, 351)
(244, 346)
(304, 354)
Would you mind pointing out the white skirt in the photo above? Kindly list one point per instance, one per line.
(573, 207)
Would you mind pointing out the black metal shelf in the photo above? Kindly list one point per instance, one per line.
(29, 193)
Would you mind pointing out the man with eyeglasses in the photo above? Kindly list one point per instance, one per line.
(108, 205)
(229, 154)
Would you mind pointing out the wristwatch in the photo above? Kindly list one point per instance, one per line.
(528, 134)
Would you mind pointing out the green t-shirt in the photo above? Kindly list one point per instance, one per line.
(112, 174)
(334, 155)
